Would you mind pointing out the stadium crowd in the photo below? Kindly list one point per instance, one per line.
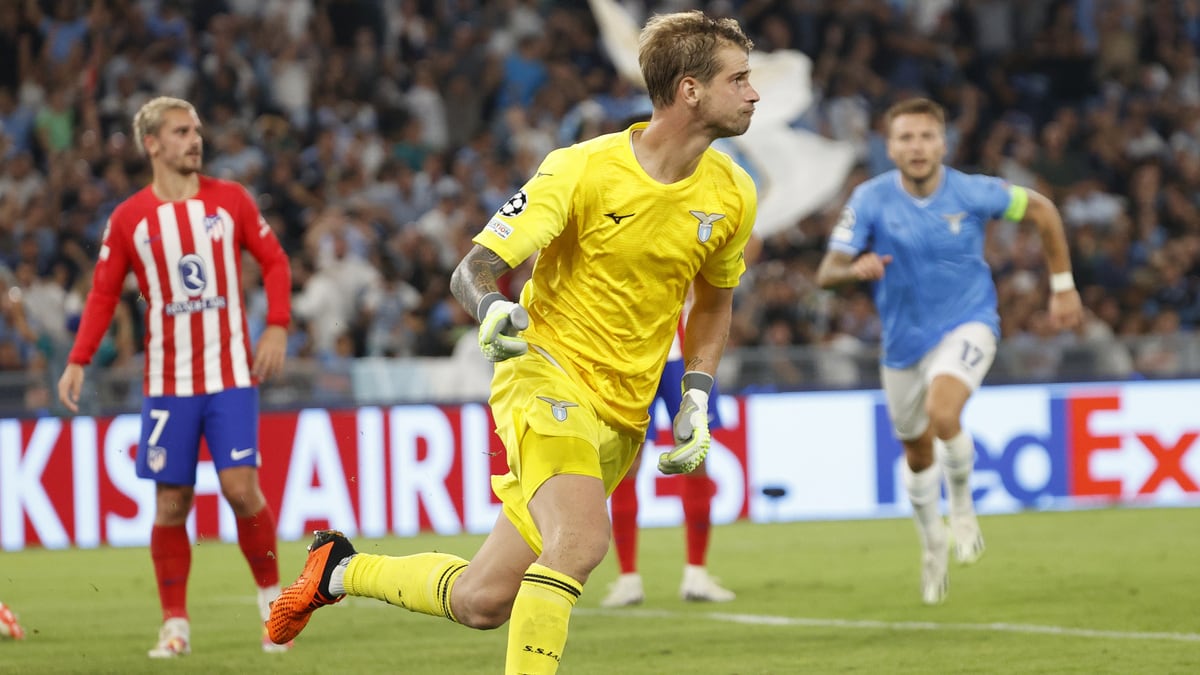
(379, 136)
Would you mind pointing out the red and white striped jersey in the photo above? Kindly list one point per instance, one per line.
(187, 259)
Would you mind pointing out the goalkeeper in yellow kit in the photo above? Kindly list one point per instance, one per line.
(624, 224)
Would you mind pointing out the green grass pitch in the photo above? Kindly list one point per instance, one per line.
(1097, 591)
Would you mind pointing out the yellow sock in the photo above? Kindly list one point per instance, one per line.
(537, 631)
(420, 583)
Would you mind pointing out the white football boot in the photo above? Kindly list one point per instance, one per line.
(968, 539)
(935, 575)
(625, 591)
(700, 586)
(174, 639)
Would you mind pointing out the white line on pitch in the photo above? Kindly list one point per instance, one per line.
(870, 624)
(806, 622)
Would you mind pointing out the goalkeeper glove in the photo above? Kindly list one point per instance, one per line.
(498, 329)
(692, 437)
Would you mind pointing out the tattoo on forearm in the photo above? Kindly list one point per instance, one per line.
(694, 363)
(476, 276)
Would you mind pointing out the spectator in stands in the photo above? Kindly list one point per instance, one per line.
(1162, 352)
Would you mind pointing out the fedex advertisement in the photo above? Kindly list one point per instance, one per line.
(400, 470)
(1036, 446)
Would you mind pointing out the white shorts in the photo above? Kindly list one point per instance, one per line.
(966, 353)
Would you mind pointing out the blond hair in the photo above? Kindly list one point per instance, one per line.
(684, 44)
(149, 118)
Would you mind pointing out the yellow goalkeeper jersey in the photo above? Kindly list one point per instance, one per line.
(618, 251)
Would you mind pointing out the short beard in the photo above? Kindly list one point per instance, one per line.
(184, 168)
(718, 130)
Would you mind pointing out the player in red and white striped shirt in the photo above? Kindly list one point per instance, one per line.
(183, 237)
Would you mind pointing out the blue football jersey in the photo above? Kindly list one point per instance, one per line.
(938, 278)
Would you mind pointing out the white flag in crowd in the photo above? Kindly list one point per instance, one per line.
(797, 172)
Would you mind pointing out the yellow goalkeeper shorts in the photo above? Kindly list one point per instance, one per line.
(548, 429)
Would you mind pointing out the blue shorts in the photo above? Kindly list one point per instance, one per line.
(169, 447)
(671, 395)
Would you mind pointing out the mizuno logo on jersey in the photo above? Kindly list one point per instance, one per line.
(558, 408)
(706, 223)
(955, 221)
(617, 219)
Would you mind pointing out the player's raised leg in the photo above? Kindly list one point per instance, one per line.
(420, 583)
(954, 379)
(292, 610)
(478, 594)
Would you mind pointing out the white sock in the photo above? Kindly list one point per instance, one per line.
(337, 577)
(924, 490)
(266, 594)
(958, 458)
